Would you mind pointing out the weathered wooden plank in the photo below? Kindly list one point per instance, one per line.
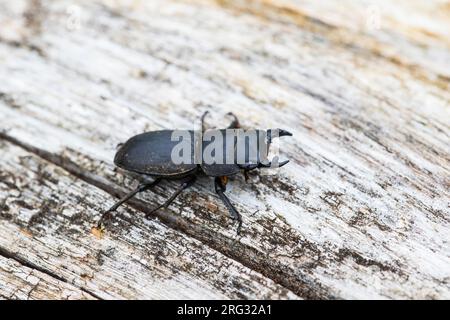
(46, 215)
(412, 34)
(20, 282)
(364, 200)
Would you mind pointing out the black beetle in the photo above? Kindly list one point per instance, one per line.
(150, 153)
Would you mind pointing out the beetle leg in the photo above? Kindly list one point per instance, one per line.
(182, 187)
(203, 120)
(220, 187)
(235, 123)
(246, 177)
(247, 168)
(140, 188)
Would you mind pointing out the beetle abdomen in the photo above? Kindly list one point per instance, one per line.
(150, 153)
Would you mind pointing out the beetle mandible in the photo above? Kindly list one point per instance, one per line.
(150, 154)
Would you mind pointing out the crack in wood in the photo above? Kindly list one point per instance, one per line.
(10, 255)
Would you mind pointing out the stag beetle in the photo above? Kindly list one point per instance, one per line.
(150, 154)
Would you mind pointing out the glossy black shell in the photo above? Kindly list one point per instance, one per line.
(150, 153)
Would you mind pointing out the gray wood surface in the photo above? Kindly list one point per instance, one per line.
(361, 211)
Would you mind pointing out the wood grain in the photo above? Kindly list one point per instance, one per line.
(361, 211)
(20, 282)
(50, 232)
